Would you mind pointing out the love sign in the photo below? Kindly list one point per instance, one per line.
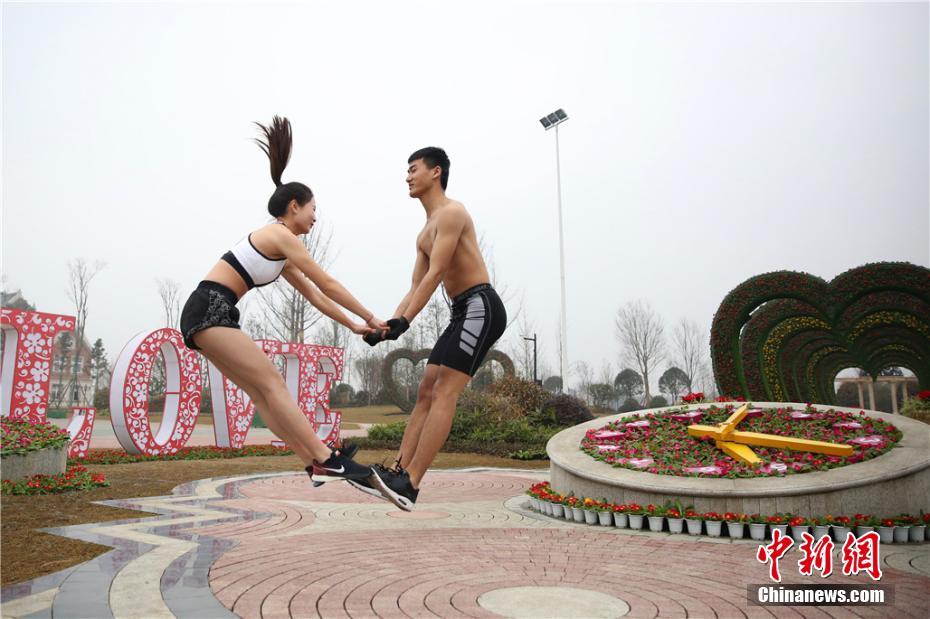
(309, 372)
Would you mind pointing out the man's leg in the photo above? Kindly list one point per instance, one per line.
(408, 445)
(435, 430)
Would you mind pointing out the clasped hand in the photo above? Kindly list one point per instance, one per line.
(395, 328)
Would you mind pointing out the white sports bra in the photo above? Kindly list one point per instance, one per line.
(255, 268)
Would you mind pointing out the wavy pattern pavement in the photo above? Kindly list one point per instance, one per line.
(272, 546)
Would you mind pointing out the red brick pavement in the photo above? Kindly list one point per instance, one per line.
(284, 566)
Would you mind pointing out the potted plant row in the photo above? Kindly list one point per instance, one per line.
(677, 518)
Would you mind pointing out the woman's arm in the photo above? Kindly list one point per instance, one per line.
(299, 258)
(320, 301)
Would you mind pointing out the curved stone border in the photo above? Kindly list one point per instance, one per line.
(897, 481)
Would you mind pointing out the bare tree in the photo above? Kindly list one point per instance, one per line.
(169, 292)
(640, 332)
(606, 375)
(288, 315)
(431, 322)
(368, 368)
(80, 274)
(331, 333)
(690, 350)
(514, 310)
(585, 375)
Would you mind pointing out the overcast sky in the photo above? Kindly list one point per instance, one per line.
(706, 143)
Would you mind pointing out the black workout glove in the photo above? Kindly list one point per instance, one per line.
(374, 337)
(398, 326)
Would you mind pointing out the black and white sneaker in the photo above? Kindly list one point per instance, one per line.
(319, 476)
(366, 486)
(340, 466)
(396, 487)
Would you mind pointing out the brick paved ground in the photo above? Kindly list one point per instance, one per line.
(272, 546)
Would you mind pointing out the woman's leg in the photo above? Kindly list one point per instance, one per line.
(245, 364)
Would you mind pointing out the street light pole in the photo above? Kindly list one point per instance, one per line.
(533, 339)
(553, 121)
(563, 361)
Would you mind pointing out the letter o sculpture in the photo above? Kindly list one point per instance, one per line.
(129, 392)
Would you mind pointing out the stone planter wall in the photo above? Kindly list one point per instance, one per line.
(50, 461)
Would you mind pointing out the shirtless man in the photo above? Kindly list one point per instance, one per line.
(447, 252)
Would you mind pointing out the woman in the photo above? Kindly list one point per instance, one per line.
(210, 320)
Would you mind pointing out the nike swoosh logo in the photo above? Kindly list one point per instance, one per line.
(341, 469)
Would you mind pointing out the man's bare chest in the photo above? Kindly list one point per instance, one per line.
(426, 238)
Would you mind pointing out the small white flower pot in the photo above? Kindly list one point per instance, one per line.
(901, 534)
(676, 525)
(862, 530)
(656, 523)
(886, 535)
(590, 516)
(636, 521)
(781, 527)
(694, 526)
(917, 533)
(839, 533)
(578, 514)
(547, 508)
(757, 530)
(714, 527)
(797, 532)
(735, 530)
(621, 521)
(605, 519)
(557, 510)
(820, 530)
(567, 511)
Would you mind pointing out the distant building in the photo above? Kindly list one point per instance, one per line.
(69, 387)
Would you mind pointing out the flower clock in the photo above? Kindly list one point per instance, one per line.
(722, 442)
(737, 444)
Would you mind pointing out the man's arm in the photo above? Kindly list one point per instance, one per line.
(419, 270)
(448, 232)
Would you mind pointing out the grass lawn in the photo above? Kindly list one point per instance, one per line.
(28, 553)
(378, 413)
(387, 413)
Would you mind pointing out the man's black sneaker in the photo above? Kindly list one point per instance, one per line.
(365, 486)
(341, 466)
(320, 477)
(396, 487)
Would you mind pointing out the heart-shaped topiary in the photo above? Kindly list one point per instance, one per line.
(784, 336)
(392, 390)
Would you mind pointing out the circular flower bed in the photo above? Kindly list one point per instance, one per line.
(659, 442)
(20, 437)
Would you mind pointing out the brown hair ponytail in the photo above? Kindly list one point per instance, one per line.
(277, 146)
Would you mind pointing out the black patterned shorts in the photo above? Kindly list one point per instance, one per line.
(210, 305)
